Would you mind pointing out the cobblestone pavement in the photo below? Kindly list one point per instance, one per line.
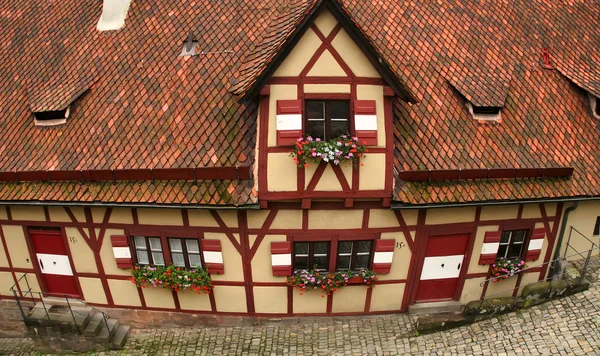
(569, 326)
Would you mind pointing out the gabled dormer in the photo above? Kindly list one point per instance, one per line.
(326, 84)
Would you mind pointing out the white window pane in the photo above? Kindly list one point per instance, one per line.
(155, 244)
(192, 246)
(178, 260)
(142, 257)
(195, 261)
(140, 242)
(175, 245)
(158, 258)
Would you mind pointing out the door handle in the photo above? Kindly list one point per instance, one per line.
(442, 265)
(41, 263)
(458, 266)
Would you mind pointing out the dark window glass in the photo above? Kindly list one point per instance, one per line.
(511, 244)
(326, 119)
(185, 252)
(309, 254)
(597, 227)
(148, 251)
(597, 107)
(353, 255)
(490, 110)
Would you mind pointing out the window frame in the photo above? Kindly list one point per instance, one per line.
(185, 252)
(333, 239)
(163, 233)
(311, 254)
(327, 115)
(511, 243)
(354, 253)
(148, 250)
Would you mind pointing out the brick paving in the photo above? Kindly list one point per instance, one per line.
(569, 326)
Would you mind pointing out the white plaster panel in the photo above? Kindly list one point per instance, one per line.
(432, 267)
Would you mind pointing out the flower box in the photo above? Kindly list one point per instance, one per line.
(337, 150)
(505, 268)
(173, 278)
(329, 282)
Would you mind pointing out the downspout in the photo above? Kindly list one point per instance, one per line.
(563, 227)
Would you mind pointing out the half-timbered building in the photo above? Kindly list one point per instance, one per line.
(159, 133)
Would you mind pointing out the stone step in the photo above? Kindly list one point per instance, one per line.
(118, 340)
(434, 308)
(43, 312)
(105, 335)
(63, 302)
(95, 324)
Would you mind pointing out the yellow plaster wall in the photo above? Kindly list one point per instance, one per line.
(474, 266)
(194, 301)
(262, 270)
(231, 258)
(503, 288)
(3, 213)
(256, 218)
(278, 92)
(58, 214)
(149, 216)
(529, 278)
(158, 297)
(349, 299)
(17, 246)
(6, 282)
(382, 218)
(230, 299)
(372, 173)
(309, 302)
(531, 211)
(78, 212)
(272, 300)
(81, 253)
(30, 213)
(34, 283)
(449, 215)
(325, 22)
(107, 256)
(326, 66)
(335, 219)
(499, 212)
(327, 88)
(387, 297)
(200, 217)
(121, 216)
(328, 181)
(374, 92)
(353, 56)
(98, 214)
(295, 62)
(281, 173)
(92, 290)
(583, 219)
(401, 259)
(471, 290)
(3, 258)
(124, 293)
(287, 219)
(229, 217)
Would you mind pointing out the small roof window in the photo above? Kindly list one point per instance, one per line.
(594, 106)
(113, 15)
(189, 47)
(51, 118)
(485, 114)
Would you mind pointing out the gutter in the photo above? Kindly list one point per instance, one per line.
(563, 227)
(398, 206)
(134, 205)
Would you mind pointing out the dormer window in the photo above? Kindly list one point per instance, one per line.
(594, 106)
(485, 114)
(51, 118)
(113, 15)
(189, 47)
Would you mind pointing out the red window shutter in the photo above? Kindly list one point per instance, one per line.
(289, 122)
(534, 248)
(365, 121)
(213, 256)
(121, 251)
(281, 258)
(384, 254)
(489, 249)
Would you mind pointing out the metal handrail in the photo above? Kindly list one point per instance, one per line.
(15, 289)
(582, 235)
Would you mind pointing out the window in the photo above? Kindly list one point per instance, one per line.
(489, 110)
(51, 118)
(353, 255)
(597, 227)
(511, 244)
(310, 254)
(326, 119)
(185, 252)
(148, 250)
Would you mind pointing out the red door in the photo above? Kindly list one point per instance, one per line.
(444, 259)
(54, 262)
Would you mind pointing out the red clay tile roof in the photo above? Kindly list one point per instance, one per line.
(138, 105)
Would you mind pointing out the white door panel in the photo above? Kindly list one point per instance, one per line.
(54, 264)
(442, 267)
